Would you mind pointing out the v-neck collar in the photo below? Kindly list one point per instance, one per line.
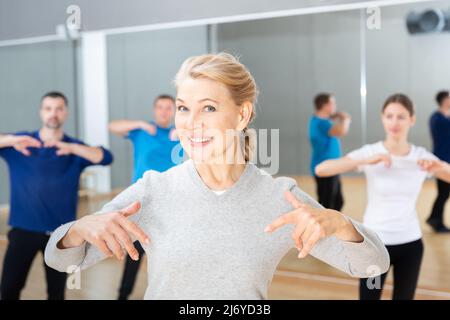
(240, 184)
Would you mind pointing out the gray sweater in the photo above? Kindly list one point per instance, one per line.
(209, 246)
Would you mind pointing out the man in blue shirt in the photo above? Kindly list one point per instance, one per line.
(326, 126)
(156, 147)
(44, 170)
(440, 133)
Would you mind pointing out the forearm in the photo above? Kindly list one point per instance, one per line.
(353, 249)
(340, 128)
(71, 239)
(330, 168)
(346, 126)
(6, 140)
(93, 154)
(61, 258)
(64, 259)
(343, 125)
(363, 259)
(444, 173)
(348, 232)
(122, 127)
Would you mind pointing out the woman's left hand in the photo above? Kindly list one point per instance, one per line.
(431, 166)
(313, 224)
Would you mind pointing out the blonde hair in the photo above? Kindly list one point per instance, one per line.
(227, 70)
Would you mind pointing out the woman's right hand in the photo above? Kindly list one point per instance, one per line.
(109, 232)
(382, 157)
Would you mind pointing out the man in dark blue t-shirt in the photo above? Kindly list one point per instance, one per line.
(156, 147)
(326, 126)
(440, 133)
(44, 171)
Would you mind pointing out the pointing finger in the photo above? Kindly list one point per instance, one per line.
(288, 218)
(292, 200)
(131, 209)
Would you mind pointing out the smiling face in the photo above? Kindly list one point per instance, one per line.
(397, 120)
(206, 117)
(53, 112)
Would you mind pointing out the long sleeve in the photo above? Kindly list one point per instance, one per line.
(363, 260)
(87, 255)
(107, 159)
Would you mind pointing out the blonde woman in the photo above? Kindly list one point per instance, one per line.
(212, 222)
(395, 170)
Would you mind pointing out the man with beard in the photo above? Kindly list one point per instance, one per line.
(44, 170)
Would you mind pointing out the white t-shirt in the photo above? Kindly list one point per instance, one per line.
(392, 193)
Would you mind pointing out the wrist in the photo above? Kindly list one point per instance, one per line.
(361, 162)
(72, 148)
(346, 231)
(10, 140)
(72, 238)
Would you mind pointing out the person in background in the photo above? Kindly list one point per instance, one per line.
(219, 225)
(326, 127)
(440, 133)
(155, 146)
(395, 170)
(44, 169)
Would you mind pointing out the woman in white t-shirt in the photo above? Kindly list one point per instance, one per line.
(395, 170)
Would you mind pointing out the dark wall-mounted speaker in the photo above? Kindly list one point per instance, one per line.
(428, 21)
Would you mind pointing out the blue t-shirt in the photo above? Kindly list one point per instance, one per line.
(44, 186)
(323, 145)
(440, 132)
(154, 152)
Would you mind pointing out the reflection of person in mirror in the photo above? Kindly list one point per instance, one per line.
(153, 143)
(326, 127)
(440, 133)
(395, 170)
(215, 226)
(44, 169)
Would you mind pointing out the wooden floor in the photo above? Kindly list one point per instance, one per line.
(294, 279)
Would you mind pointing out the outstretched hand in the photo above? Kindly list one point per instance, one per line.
(109, 232)
(313, 224)
(431, 166)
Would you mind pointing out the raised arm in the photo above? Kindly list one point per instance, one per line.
(332, 237)
(123, 127)
(440, 169)
(333, 167)
(341, 124)
(95, 155)
(93, 238)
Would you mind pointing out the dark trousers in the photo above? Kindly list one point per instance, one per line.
(406, 260)
(437, 214)
(130, 273)
(329, 192)
(22, 249)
